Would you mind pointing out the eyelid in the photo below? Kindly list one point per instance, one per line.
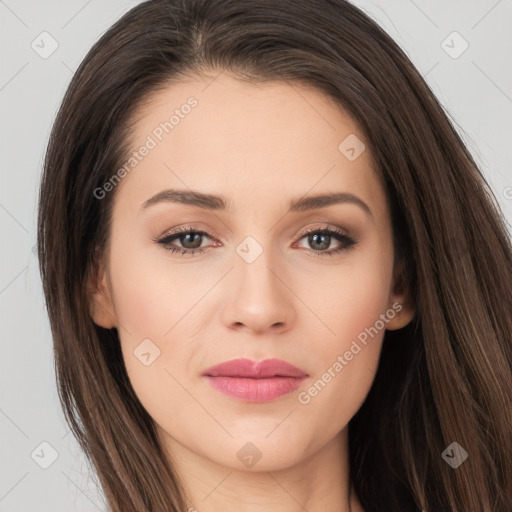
(345, 238)
(185, 229)
(324, 226)
(212, 234)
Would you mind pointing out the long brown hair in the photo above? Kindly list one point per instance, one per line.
(446, 377)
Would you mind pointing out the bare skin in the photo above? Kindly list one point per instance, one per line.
(259, 146)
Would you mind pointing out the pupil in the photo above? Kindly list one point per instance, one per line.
(323, 245)
(195, 244)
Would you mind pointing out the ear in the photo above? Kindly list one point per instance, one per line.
(101, 305)
(400, 299)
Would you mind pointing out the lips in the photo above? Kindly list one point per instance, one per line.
(255, 369)
(255, 381)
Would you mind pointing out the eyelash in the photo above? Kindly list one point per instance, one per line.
(347, 241)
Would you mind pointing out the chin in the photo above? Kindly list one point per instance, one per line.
(260, 453)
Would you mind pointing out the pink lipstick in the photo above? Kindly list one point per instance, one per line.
(255, 381)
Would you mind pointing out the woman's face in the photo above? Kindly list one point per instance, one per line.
(262, 287)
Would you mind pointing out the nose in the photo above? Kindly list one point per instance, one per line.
(258, 297)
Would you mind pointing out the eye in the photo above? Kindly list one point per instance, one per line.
(191, 240)
(320, 239)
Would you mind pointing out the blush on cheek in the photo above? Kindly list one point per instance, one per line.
(139, 302)
(353, 355)
(359, 315)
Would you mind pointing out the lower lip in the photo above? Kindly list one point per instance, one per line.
(255, 390)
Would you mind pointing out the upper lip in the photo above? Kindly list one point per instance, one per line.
(254, 369)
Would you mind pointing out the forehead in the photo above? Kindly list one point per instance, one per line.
(276, 140)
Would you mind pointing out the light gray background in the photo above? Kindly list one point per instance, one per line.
(475, 88)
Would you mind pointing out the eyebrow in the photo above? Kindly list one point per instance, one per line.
(220, 203)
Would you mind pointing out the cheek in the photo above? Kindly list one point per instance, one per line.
(154, 302)
(351, 299)
(347, 357)
(152, 293)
